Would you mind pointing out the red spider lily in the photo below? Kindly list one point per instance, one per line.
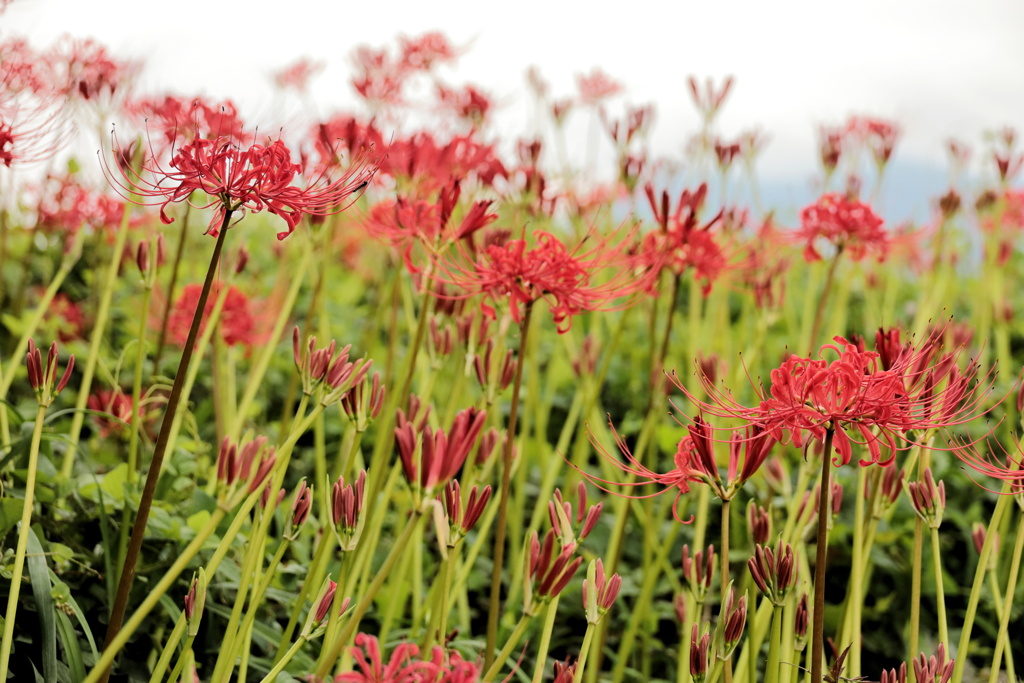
(450, 667)
(405, 665)
(423, 52)
(586, 518)
(116, 404)
(470, 103)
(928, 499)
(67, 206)
(189, 118)
(346, 133)
(345, 509)
(441, 454)
(846, 224)
(564, 672)
(681, 243)
(596, 87)
(462, 521)
(520, 275)
(686, 470)
(831, 145)
(298, 74)
(301, 506)
(879, 135)
(773, 570)
(759, 523)
(934, 669)
(23, 70)
(547, 574)
(710, 101)
(43, 378)
(236, 326)
(991, 463)
(605, 590)
(854, 392)
(699, 653)
(236, 179)
(426, 164)
(86, 70)
(401, 224)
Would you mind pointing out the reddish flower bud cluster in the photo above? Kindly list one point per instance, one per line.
(461, 522)
(772, 571)
(547, 574)
(891, 487)
(759, 522)
(363, 403)
(978, 535)
(345, 508)
(734, 617)
(322, 369)
(605, 590)
(560, 514)
(301, 506)
(235, 467)
(441, 454)
(894, 676)
(928, 499)
(801, 621)
(934, 669)
(44, 378)
(492, 379)
(699, 571)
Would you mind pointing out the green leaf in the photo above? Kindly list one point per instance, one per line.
(10, 513)
(35, 559)
(69, 640)
(197, 521)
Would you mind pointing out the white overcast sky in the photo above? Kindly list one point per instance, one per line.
(940, 68)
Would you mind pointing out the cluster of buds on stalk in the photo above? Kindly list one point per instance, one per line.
(802, 618)
(809, 506)
(565, 672)
(584, 364)
(316, 620)
(599, 593)
(149, 257)
(699, 571)
(472, 336)
(237, 476)
(439, 344)
(494, 378)
(928, 499)
(268, 491)
(773, 571)
(759, 523)
(488, 443)
(452, 520)
(699, 652)
(560, 513)
(888, 493)
(436, 457)
(363, 403)
(894, 676)
(333, 376)
(978, 535)
(345, 510)
(301, 506)
(44, 379)
(732, 618)
(934, 669)
(195, 600)
(546, 574)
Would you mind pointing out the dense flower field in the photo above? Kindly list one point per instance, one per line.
(382, 397)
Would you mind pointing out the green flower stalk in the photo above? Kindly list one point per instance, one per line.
(773, 572)
(929, 501)
(43, 379)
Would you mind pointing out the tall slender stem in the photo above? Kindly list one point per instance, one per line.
(545, 640)
(940, 593)
(727, 673)
(1002, 638)
(510, 644)
(818, 633)
(494, 609)
(771, 672)
(819, 313)
(19, 554)
(138, 531)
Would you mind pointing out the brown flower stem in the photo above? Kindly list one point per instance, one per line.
(819, 314)
(170, 290)
(494, 609)
(818, 632)
(138, 531)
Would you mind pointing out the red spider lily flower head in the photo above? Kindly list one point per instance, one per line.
(854, 392)
(28, 137)
(345, 510)
(370, 668)
(236, 324)
(686, 470)
(599, 592)
(881, 138)
(682, 243)
(401, 224)
(424, 52)
(699, 653)
(759, 523)
(440, 455)
(180, 118)
(470, 103)
(34, 123)
(547, 574)
(462, 521)
(448, 667)
(424, 164)
(84, 69)
(235, 179)
(67, 206)
(756, 445)
(521, 275)
(43, 377)
(699, 571)
(773, 571)
(298, 74)
(888, 346)
(596, 87)
(116, 409)
(847, 225)
(710, 101)
(934, 669)
(560, 513)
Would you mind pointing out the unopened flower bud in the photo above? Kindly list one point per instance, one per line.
(142, 258)
(194, 603)
(759, 522)
(241, 260)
